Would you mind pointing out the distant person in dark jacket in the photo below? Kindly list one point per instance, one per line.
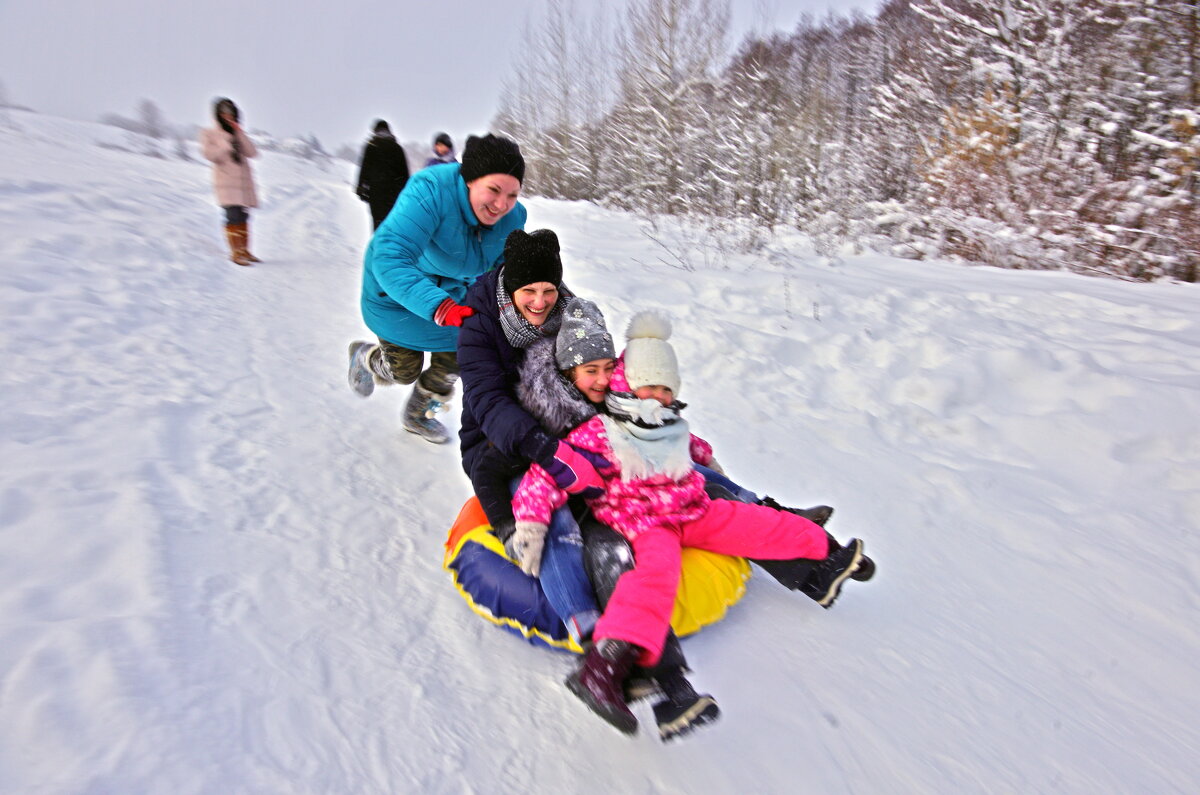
(443, 151)
(382, 173)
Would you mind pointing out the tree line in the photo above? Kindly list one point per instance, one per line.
(1018, 133)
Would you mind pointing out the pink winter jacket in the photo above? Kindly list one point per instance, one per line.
(627, 506)
(233, 182)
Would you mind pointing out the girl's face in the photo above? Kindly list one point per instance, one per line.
(492, 196)
(534, 301)
(441, 149)
(663, 394)
(591, 378)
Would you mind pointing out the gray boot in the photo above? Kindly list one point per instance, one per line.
(360, 377)
(419, 411)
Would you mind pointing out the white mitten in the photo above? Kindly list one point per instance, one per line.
(527, 542)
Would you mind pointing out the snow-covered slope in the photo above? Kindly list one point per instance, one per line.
(220, 570)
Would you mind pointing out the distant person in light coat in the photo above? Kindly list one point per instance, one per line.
(230, 150)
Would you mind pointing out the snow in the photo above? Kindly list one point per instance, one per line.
(221, 569)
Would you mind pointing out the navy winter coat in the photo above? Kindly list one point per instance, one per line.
(489, 365)
(429, 248)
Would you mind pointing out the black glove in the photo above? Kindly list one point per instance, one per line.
(504, 529)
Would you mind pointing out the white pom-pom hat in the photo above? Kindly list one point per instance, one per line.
(649, 358)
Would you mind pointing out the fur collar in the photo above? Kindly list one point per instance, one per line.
(550, 398)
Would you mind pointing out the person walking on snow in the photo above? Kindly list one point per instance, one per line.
(443, 151)
(230, 150)
(653, 496)
(382, 172)
(447, 228)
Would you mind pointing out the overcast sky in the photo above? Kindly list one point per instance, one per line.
(293, 66)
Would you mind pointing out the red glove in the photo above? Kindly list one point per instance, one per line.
(449, 313)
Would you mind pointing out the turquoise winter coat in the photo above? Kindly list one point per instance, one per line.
(430, 247)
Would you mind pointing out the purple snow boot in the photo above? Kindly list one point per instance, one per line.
(598, 681)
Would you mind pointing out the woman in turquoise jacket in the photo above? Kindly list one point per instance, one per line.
(447, 228)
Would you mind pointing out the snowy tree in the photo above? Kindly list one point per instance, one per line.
(559, 91)
(754, 134)
(1021, 133)
(1142, 220)
(670, 51)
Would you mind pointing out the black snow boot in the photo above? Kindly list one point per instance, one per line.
(865, 570)
(825, 582)
(818, 514)
(598, 680)
(644, 682)
(682, 708)
(866, 566)
(640, 686)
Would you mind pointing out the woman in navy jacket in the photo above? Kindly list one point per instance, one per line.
(511, 308)
(448, 227)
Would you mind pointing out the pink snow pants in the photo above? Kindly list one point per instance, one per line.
(640, 608)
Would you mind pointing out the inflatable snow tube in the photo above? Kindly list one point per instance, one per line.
(495, 588)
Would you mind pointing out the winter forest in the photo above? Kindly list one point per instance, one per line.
(1033, 134)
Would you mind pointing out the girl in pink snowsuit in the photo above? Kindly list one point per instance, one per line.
(656, 500)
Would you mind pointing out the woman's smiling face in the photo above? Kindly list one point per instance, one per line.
(534, 301)
(492, 196)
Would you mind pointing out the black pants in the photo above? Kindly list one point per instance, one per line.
(790, 574)
(381, 206)
(490, 473)
(236, 214)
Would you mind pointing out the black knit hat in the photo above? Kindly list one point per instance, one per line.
(531, 258)
(442, 138)
(382, 126)
(491, 154)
